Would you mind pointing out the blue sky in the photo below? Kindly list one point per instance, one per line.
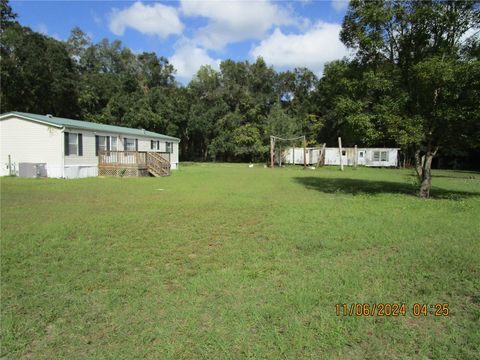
(195, 33)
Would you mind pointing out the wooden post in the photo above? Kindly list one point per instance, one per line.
(356, 157)
(304, 152)
(340, 150)
(324, 152)
(321, 156)
(10, 165)
(272, 144)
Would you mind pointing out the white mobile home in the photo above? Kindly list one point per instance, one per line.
(66, 148)
(379, 157)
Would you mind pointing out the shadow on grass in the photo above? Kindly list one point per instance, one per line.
(373, 187)
(464, 176)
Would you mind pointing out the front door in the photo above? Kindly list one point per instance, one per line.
(362, 157)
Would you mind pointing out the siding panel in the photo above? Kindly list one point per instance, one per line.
(27, 141)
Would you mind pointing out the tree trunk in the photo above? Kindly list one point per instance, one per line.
(205, 154)
(423, 166)
(426, 180)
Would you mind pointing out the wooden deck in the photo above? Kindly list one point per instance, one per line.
(133, 163)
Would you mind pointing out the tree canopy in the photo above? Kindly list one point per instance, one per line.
(412, 83)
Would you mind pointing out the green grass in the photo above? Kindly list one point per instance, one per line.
(235, 262)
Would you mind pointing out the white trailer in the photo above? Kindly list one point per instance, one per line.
(375, 157)
(66, 148)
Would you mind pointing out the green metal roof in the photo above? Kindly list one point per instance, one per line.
(86, 125)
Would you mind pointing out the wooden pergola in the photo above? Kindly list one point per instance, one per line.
(272, 148)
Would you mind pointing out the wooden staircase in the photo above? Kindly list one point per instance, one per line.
(157, 165)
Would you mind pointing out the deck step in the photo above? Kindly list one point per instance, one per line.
(157, 165)
(155, 173)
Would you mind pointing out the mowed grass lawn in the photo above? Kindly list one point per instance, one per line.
(226, 261)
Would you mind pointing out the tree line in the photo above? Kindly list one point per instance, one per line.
(412, 82)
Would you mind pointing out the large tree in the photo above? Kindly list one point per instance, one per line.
(414, 84)
(37, 73)
(7, 16)
(423, 42)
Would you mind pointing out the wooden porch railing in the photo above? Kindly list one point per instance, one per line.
(128, 158)
(133, 163)
(157, 164)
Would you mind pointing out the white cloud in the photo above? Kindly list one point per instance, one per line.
(311, 49)
(234, 21)
(42, 29)
(97, 19)
(339, 5)
(156, 19)
(188, 58)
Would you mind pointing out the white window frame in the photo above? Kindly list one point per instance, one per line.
(384, 156)
(156, 145)
(169, 147)
(127, 144)
(70, 143)
(113, 144)
(102, 143)
(380, 156)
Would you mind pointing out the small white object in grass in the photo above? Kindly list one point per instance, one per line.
(250, 166)
(312, 167)
(159, 189)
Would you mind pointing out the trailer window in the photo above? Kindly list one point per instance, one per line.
(113, 143)
(154, 144)
(73, 144)
(130, 144)
(380, 156)
(102, 143)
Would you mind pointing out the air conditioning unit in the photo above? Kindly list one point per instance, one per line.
(32, 170)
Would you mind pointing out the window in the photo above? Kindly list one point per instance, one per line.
(130, 144)
(384, 156)
(344, 152)
(102, 143)
(73, 144)
(113, 143)
(380, 156)
(361, 154)
(169, 147)
(154, 145)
